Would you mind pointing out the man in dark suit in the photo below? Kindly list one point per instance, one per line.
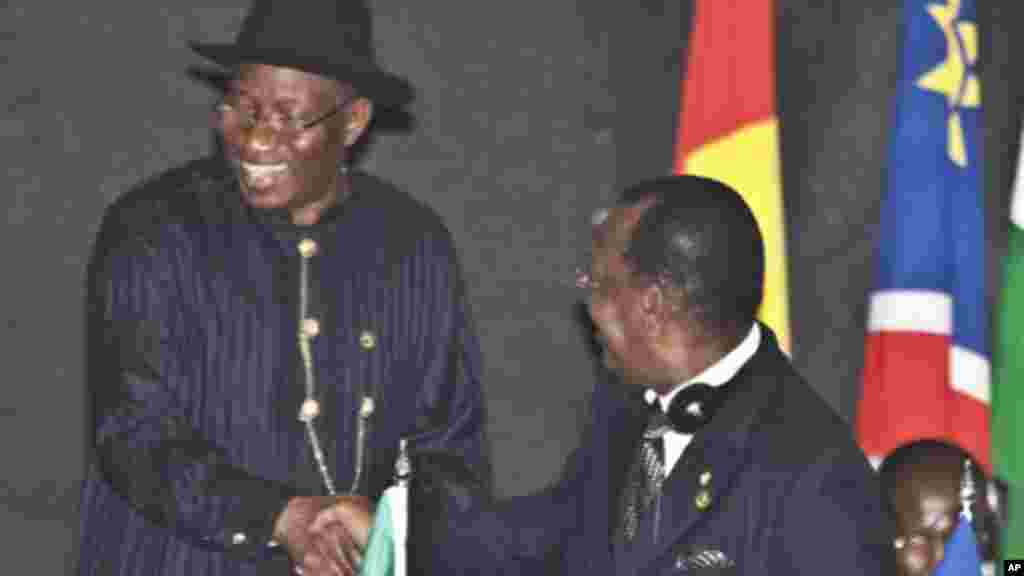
(712, 455)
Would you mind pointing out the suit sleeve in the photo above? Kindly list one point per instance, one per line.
(519, 535)
(146, 445)
(839, 526)
(532, 534)
(450, 404)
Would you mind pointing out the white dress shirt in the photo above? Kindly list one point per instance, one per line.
(715, 375)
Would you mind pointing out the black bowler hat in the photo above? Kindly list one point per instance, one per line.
(331, 38)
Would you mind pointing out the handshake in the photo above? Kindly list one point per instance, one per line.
(326, 535)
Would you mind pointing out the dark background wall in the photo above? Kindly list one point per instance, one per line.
(529, 116)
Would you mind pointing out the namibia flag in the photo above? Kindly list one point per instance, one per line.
(926, 366)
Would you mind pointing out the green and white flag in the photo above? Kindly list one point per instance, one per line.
(385, 548)
(1008, 381)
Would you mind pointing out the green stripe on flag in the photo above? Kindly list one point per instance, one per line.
(1008, 381)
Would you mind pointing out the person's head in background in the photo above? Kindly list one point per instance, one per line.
(922, 482)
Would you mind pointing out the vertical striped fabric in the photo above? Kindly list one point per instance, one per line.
(196, 426)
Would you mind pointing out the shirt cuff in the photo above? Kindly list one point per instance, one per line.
(249, 526)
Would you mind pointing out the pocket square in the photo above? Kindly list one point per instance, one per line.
(705, 561)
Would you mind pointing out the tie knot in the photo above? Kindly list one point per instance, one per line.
(657, 422)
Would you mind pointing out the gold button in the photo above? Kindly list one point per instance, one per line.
(702, 500)
(310, 410)
(367, 340)
(307, 248)
(705, 478)
(366, 408)
(310, 327)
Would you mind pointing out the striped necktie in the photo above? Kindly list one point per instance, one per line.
(646, 475)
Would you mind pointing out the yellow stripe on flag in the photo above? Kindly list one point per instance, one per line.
(747, 159)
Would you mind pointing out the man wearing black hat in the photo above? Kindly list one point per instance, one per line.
(265, 326)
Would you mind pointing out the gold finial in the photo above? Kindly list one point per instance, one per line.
(403, 466)
(307, 248)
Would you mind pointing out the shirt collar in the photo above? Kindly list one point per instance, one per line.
(718, 373)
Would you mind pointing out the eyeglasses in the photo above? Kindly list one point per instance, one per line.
(235, 116)
(585, 279)
(593, 283)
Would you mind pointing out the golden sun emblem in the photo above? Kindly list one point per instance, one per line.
(955, 77)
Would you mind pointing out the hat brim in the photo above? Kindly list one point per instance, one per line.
(379, 86)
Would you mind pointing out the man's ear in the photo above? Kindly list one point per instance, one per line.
(357, 119)
(654, 307)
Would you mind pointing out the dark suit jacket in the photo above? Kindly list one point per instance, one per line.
(791, 493)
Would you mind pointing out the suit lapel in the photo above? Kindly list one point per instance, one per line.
(704, 475)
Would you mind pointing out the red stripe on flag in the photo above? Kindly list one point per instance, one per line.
(906, 396)
(730, 70)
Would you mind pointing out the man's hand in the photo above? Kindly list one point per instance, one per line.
(350, 512)
(315, 532)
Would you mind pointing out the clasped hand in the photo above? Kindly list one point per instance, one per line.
(325, 535)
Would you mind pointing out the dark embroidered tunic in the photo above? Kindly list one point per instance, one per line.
(197, 379)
